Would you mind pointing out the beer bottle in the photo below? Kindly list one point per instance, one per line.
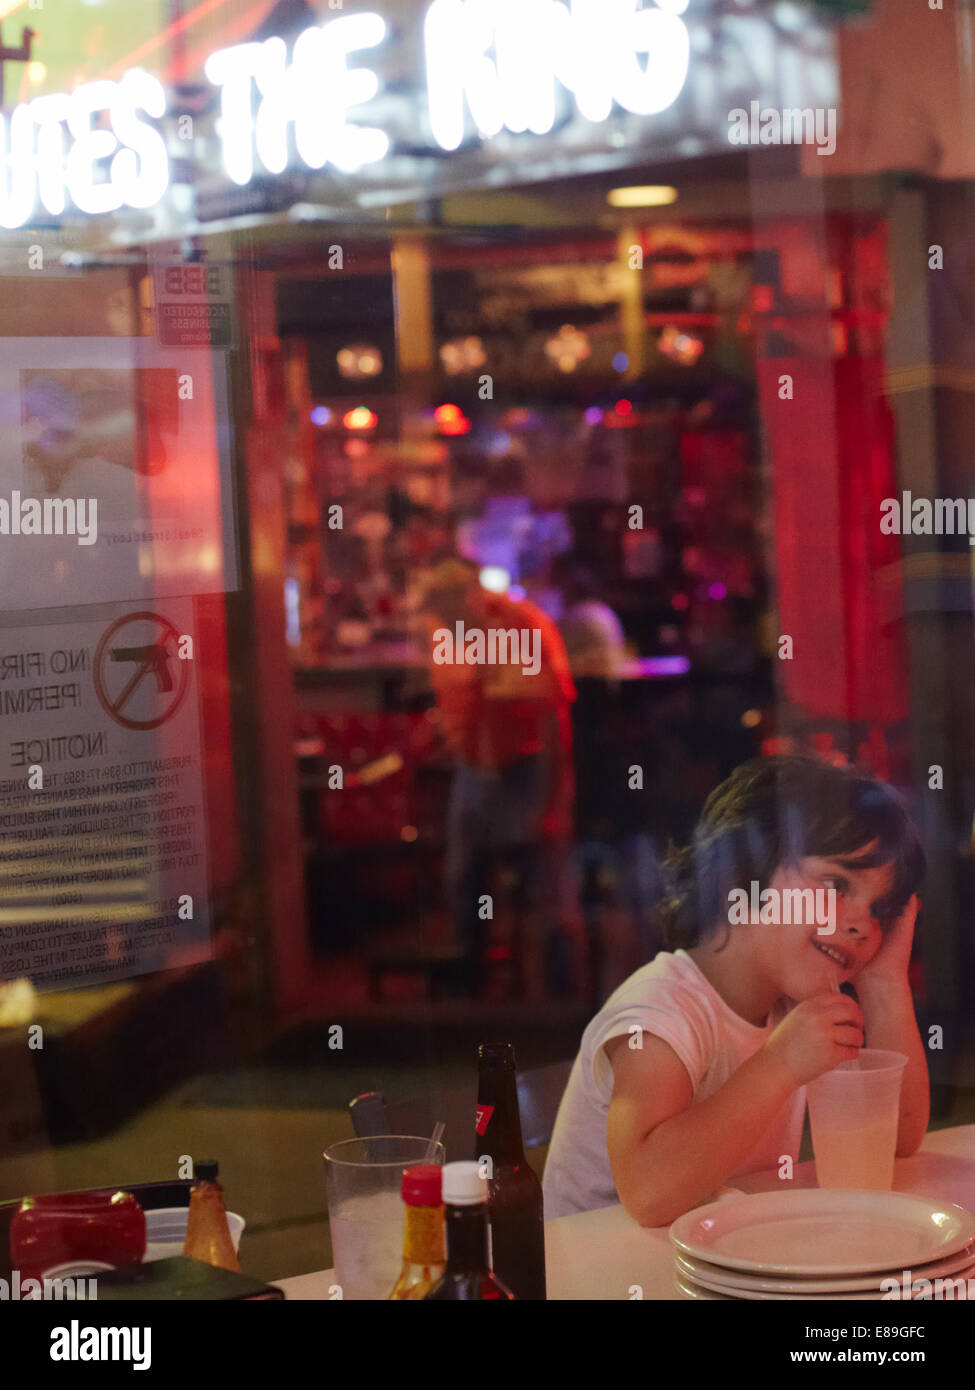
(517, 1222)
(468, 1276)
(423, 1239)
(207, 1232)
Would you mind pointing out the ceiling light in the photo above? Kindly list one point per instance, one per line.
(651, 195)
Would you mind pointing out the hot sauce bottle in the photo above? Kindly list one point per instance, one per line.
(423, 1234)
(207, 1232)
(468, 1276)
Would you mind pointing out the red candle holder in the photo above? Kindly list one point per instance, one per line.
(76, 1228)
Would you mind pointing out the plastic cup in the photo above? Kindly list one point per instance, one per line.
(363, 1182)
(853, 1114)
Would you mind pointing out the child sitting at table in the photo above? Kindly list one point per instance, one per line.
(694, 1070)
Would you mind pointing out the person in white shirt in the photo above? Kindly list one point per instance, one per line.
(694, 1071)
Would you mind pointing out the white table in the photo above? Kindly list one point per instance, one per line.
(604, 1254)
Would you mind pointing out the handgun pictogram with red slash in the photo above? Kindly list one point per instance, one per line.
(151, 658)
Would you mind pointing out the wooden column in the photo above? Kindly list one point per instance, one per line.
(631, 303)
(265, 722)
(413, 298)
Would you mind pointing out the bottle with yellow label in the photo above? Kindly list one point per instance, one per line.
(424, 1257)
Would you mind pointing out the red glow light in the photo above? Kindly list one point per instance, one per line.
(451, 420)
(624, 407)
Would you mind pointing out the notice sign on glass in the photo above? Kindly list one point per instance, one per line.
(194, 305)
(103, 866)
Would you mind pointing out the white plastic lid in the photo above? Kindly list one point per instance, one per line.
(463, 1185)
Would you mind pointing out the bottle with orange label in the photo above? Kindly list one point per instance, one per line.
(207, 1232)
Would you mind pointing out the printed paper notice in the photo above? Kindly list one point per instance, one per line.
(102, 835)
(115, 477)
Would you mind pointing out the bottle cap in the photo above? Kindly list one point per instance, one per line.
(463, 1185)
(206, 1170)
(502, 1053)
(421, 1185)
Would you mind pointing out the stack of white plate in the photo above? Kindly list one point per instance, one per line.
(812, 1244)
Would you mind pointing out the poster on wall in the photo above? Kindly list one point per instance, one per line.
(103, 863)
(115, 472)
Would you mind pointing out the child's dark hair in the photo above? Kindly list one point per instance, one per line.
(776, 811)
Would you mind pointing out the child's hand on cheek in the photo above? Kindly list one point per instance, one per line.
(889, 965)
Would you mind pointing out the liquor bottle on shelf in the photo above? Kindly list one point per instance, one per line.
(515, 1211)
(423, 1235)
(207, 1232)
(468, 1276)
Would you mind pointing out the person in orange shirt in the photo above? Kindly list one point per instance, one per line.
(501, 678)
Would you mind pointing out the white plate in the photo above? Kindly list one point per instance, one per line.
(693, 1287)
(697, 1291)
(857, 1283)
(823, 1232)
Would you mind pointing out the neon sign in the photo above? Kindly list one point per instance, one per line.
(313, 93)
(499, 62)
(34, 161)
(591, 47)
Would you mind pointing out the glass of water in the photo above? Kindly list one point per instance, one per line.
(363, 1180)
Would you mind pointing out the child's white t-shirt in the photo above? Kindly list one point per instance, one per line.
(672, 999)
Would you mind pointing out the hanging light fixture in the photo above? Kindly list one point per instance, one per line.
(461, 355)
(359, 362)
(568, 348)
(680, 346)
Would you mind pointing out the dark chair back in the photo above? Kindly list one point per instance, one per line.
(539, 1094)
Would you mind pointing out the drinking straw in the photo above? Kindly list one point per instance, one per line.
(435, 1137)
(836, 989)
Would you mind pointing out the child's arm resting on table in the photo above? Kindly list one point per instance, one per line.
(667, 1154)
